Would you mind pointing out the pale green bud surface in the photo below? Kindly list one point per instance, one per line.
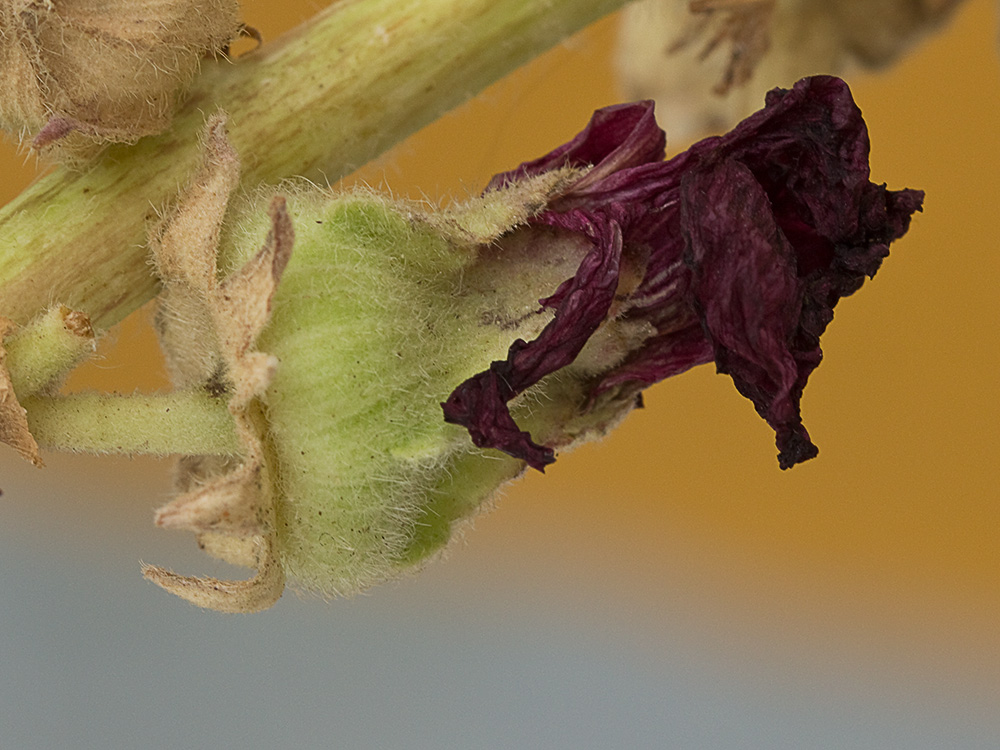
(381, 312)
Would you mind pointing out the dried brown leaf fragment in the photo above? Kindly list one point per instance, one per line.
(13, 418)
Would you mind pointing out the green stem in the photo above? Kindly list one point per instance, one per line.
(55, 339)
(183, 422)
(319, 103)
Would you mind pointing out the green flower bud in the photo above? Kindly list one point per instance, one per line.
(59, 335)
(378, 316)
(382, 309)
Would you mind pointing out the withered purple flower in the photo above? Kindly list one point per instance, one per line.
(736, 251)
(310, 363)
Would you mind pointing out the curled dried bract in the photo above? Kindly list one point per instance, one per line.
(210, 329)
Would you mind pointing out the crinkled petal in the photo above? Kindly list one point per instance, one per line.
(786, 214)
(480, 403)
(746, 241)
(749, 297)
(616, 137)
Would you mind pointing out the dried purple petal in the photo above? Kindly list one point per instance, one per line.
(617, 137)
(745, 243)
(749, 298)
(582, 303)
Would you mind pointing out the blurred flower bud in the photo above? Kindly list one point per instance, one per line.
(82, 72)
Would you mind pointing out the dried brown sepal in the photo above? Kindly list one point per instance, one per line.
(252, 595)
(13, 418)
(233, 550)
(249, 32)
(183, 249)
(243, 305)
(227, 502)
(209, 330)
(81, 73)
(184, 243)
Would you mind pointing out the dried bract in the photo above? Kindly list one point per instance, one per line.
(210, 327)
(55, 341)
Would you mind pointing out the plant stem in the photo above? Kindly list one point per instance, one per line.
(45, 346)
(319, 102)
(184, 422)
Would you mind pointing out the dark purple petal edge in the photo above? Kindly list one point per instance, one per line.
(749, 240)
(480, 403)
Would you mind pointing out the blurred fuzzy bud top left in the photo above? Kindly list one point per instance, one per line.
(78, 74)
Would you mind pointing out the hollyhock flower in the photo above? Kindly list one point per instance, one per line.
(315, 338)
(535, 315)
(740, 248)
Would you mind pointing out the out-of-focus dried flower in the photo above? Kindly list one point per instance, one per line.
(707, 63)
(80, 72)
(742, 27)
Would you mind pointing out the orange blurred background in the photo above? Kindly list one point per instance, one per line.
(885, 550)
